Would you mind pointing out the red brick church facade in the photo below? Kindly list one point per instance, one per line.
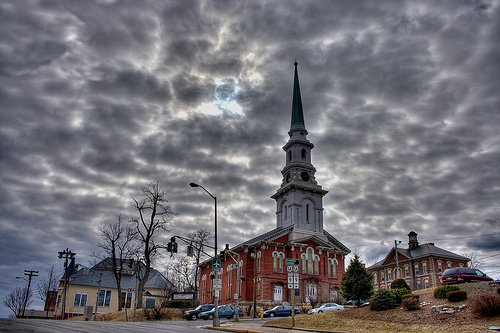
(299, 234)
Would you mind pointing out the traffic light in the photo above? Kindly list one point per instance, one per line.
(222, 256)
(169, 247)
(190, 251)
(174, 247)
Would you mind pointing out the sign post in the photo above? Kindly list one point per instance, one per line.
(293, 281)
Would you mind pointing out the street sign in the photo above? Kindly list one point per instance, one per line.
(217, 284)
(216, 265)
(94, 281)
(293, 280)
(292, 262)
(234, 266)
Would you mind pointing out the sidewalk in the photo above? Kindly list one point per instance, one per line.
(256, 326)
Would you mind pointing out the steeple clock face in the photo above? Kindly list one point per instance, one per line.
(304, 176)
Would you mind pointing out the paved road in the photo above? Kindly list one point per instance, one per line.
(200, 326)
(55, 326)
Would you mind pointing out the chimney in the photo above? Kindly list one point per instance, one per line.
(412, 240)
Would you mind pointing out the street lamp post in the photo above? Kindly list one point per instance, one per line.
(216, 322)
(398, 274)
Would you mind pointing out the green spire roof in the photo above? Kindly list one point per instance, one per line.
(297, 114)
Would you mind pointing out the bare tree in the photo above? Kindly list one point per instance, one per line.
(15, 300)
(154, 216)
(183, 274)
(474, 262)
(119, 247)
(200, 237)
(49, 283)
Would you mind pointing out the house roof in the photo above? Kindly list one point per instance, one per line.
(103, 271)
(419, 252)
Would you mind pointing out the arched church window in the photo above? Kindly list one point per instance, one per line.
(316, 265)
(303, 154)
(275, 262)
(304, 263)
(307, 213)
(309, 261)
(285, 213)
(281, 256)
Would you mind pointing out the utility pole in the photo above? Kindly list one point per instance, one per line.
(30, 275)
(66, 255)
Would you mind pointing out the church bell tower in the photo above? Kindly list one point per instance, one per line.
(299, 199)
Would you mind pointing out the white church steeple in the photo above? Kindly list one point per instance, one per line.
(299, 199)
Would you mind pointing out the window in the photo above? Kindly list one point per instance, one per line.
(304, 264)
(316, 265)
(389, 275)
(382, 276)
(375, 278)
(407, 271)
(440, 267)
(424, 268)
(310, 292)
(309, 261)
(104, 298)
(426, 283)
(150, 303)
(417, 271)
(333, 295)
(303, 154)
(229, 281)
(307, 213)
(126, 300)
(332, 268)
(278, 293)
(289, 156)
(80, 299)
(449, 264)
(278, 262)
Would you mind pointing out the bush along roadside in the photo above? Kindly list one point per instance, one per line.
(411, 302)
(456, 296)
(440, 292)
(383, 300)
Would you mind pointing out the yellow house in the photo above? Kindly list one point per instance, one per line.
(96, 287)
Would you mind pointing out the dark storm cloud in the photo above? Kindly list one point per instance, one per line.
(99, 98)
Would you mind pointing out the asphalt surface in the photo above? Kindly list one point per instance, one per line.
(200, 326)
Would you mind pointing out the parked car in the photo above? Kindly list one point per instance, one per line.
(463, 275)
(327, 307)
(352, 302)
(225, 311)
(193, 314)
(280, 311)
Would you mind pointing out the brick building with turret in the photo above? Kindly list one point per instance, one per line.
(299, 235)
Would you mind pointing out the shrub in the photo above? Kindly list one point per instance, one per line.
(441, 292)
(383, 300)
(399, 284)
(399, 293)
(486, 306)
(456, 296)
(411, 302)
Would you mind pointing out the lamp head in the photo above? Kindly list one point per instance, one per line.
(194, 185)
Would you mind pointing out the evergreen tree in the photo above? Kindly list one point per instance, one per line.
(357, 283)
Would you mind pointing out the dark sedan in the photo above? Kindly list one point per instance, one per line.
(193, 314)
(225, 311)
(280, 311)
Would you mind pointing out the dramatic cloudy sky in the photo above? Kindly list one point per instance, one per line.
(99, 98)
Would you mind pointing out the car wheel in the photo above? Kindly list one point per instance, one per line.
(271, 315)
(320, 311)
(211, 317)
(194, 317)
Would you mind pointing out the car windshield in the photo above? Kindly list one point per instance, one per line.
(200, 307)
